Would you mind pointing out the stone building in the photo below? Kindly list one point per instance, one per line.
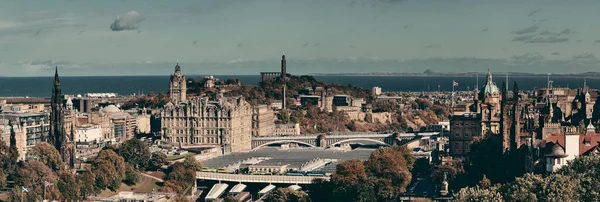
(225, 122)
(287, 129)
(8, 131)
(484, 119)
(464, 130)
(178, 86)
(263, 120)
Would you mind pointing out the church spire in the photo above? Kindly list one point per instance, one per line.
(56, 79)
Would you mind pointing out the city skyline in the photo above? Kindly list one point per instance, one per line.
(246, 37)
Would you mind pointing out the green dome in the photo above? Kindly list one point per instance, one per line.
(489, 88)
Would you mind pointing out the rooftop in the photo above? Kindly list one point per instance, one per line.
(294, 157)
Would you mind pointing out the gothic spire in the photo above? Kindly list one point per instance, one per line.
(56, 79)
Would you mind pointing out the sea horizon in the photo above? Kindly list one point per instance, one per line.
(130, 85)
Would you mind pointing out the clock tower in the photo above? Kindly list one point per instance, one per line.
(177, 87)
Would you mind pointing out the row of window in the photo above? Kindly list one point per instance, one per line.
(196, 132)
(199, 140)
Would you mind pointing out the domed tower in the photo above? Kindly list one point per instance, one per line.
(177, 86)
(489, 92)
(489, 97)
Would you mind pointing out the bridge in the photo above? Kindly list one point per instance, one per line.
(333, 139)
(277, 179)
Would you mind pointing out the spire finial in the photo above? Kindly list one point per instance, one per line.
(56, 79)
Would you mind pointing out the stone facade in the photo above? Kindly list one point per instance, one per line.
(287, 129)
(226, 122)
(263, 120)
(485, 119)
(198, 122)
(178, 86)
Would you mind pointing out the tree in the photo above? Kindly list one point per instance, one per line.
(47, 154)
(320, 190)
(158, 160)
(107, 177)
(131, 175)
(558, 187)
(69, 186)
(351, 183)
(87, 180)
(487, 157)
(484, 182)
(451, 172)
(286, 195)
(192, 163)
(108, 168)
(476, 194)
(421, 167)
(34, 175)
(523, 188)
(171, 186)
(135, 152)
(389, 165)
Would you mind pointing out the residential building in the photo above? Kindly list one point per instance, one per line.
(287, 129)
(465, 129)
(263, 120)
(88, 133)
(30, 129)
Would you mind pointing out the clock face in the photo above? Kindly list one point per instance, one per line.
(175, 84)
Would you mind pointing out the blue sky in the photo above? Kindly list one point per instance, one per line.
(146, 37)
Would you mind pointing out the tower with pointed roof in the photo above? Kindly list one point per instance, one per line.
(177, 86)
(57, 129)
(58, 136)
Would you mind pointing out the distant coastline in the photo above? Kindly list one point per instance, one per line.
(463, 74)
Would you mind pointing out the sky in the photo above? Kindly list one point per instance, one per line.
(244, 37)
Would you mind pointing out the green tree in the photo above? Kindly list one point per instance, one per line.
(192, 163)
(47, 154)
(158, 159)
(476, 194)
(390, 166)
(131, 175)
(422, 167)
(135, 152)
(286, 195)
(88, 181)
(487, 158)
(351, 183)
(438, 173)
(69, 186)
(320, 190)
(108, 168)
(523, 188)
(558, 188)
(179, 178)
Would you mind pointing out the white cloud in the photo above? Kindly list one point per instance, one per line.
(127, 21)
